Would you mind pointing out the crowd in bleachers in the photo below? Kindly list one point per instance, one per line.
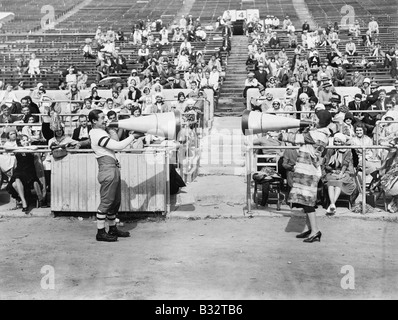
(312, 84)
(33, 119)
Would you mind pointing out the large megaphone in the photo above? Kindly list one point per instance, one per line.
(167, 124)
(254, 122)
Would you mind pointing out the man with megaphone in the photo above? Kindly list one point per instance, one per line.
(104, 148)
(166, 124)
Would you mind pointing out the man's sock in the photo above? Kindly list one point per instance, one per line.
(101, 220)
(111, 217)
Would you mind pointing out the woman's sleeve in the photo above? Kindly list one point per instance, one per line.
(347, 161)
(298, 138)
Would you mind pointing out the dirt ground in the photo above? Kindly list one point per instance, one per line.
(241, 258)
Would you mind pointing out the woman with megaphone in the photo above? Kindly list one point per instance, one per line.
(307, 171)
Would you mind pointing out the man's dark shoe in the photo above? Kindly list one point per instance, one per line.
(103, 236)
(114, 231)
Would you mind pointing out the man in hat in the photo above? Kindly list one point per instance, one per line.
(250, 82)
(108, 175)
(325, 95)
(374, 93)
(261, 75)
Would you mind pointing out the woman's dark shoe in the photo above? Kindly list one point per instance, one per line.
(316, 237)
(304, 234)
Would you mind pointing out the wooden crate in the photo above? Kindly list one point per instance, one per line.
(145, 182)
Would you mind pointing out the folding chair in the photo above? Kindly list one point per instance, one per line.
(271, 187)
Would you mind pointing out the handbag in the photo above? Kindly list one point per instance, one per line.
(59, 153)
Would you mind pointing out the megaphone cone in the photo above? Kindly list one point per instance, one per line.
(254, 122)
(167, 124)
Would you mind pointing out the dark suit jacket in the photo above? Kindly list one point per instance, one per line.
(309, 92)
(261, 77)
(362, 106)
(339, 76)
(76, 134)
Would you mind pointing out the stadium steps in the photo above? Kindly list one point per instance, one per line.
(231, 99)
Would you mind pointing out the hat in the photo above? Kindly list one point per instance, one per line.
(327, 84)
(366, 80)
(340, 136)
(303, 96)
(261, 88)
(39, 85)
(93, 85)
(349, 115)
(374, 84)
(8, 130)
(250, 74)
(88, 40)
(390, 114)
(191, 102)
(324, 117)
(319, 107)
(170, 78)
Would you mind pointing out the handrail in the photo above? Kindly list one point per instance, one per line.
(249, 158)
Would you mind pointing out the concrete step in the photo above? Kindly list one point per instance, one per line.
(222, 171)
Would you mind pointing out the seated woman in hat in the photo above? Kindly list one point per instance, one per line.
(348, 128)
(25, 177)
(338, 172)
(134, 76)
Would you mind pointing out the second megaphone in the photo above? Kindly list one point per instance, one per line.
(254, 122)
(166, 124)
